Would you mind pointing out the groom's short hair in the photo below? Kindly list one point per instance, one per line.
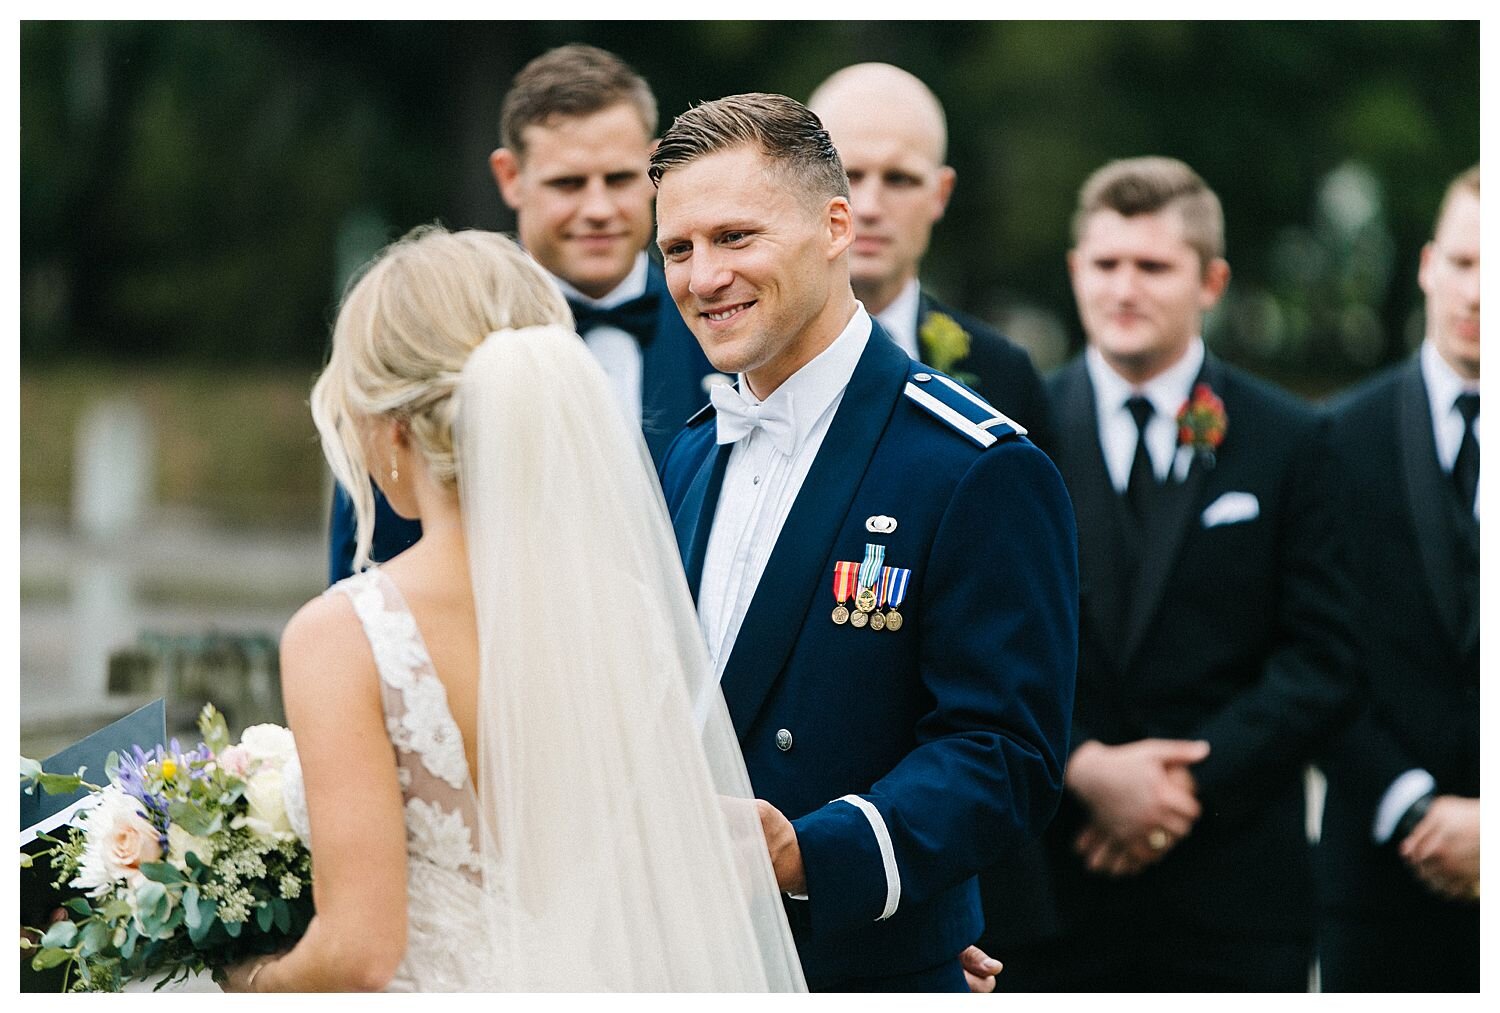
(783, 130)
(572, 80)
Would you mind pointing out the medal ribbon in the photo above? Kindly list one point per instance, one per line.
(844, 575)
(893, 586)
(870, 568)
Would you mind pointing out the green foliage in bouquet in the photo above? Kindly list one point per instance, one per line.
(187, 860)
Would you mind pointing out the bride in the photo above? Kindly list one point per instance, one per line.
(518, 772)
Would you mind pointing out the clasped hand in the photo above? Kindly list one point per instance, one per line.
(1141, 797)
(1443, 849)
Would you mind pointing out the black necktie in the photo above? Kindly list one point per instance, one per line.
(1466, 465)
(1142, 483)
(636, 317)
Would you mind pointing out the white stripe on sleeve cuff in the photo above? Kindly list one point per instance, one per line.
(887, 852)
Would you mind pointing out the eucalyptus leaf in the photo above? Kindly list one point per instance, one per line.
(78, 906)
(283, 914)
(192, 915)
(264, 916)
(162, 872)
(233, 928)
(194, 818)
(60, 934)
(50, 958)
(97, 937)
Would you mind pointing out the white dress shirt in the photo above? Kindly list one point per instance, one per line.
(900, 318)
(1443, 388)
(761, 483)
(617, 351)
(1117, 431)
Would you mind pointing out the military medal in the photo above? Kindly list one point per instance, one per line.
(869, 571)
(845, 576)
(893, 584)
(858, 619)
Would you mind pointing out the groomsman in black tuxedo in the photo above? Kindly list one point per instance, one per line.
(576, 131)
(1214, 649)
(1399, 854)
(892, 135)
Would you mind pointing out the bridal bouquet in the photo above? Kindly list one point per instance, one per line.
(186, 861)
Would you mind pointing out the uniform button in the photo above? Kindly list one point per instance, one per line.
(784, 740)
(921, 377)
(755, 480)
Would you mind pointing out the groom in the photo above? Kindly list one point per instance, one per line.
(884, 566)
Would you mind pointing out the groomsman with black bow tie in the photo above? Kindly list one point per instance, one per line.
(1214, 649)
(576, 130)
(1399, 855)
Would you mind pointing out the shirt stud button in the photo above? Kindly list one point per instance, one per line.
(755, 480)
(784, 740)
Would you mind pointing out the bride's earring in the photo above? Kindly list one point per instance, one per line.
(395, 474)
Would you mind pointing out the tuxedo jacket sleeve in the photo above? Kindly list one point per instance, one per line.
(1307, 684)
(394, 534)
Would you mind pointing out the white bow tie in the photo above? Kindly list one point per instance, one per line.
(737, 417)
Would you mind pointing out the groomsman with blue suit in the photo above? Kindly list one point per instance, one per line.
(892, 137)
(1215, 650)
(576, 129)
(884, 565)
(1399, 854)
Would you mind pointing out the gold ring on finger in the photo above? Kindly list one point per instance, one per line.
(1157, 839)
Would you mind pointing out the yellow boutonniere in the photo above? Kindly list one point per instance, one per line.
(944, 341)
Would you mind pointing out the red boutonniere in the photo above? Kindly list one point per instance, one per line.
(1201, 423)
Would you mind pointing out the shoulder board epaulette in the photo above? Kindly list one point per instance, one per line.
(960, 408)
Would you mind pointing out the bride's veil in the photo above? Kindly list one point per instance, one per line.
(621, 842)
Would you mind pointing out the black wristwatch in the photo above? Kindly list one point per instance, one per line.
(1413, 815)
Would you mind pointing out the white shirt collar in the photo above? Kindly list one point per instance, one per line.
(900, 317)
(1442, 381)
(633, 286)
(1166, 391)
(819, 383)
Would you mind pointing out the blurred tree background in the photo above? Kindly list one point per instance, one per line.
(193, 195)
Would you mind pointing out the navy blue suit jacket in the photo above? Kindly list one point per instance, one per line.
(952, 730)
(673, 373)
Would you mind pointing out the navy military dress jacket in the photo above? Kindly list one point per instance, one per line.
(673, 374)
(907, 759)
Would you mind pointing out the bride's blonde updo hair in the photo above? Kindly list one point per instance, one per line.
(405, 329)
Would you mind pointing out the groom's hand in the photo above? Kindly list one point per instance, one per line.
(979, 969)
(781, 842)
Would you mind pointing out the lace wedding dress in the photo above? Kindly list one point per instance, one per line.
(445, 888)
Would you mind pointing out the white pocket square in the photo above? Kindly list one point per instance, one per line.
(1231, 508)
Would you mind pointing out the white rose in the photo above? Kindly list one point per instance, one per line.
(266, 813)
(180, 842)
(268, 743)
(117, 841)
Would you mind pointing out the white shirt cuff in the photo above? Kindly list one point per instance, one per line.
(1398, 798)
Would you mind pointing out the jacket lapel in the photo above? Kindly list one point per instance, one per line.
(1094, 501)
(794, 573)
(695, 516)
(1175, 514)
(1428, 495)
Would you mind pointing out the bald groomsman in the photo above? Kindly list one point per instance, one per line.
(892, 135)
(1400, 846)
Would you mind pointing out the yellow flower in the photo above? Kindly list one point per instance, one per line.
(168, 769)
(944, 341)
